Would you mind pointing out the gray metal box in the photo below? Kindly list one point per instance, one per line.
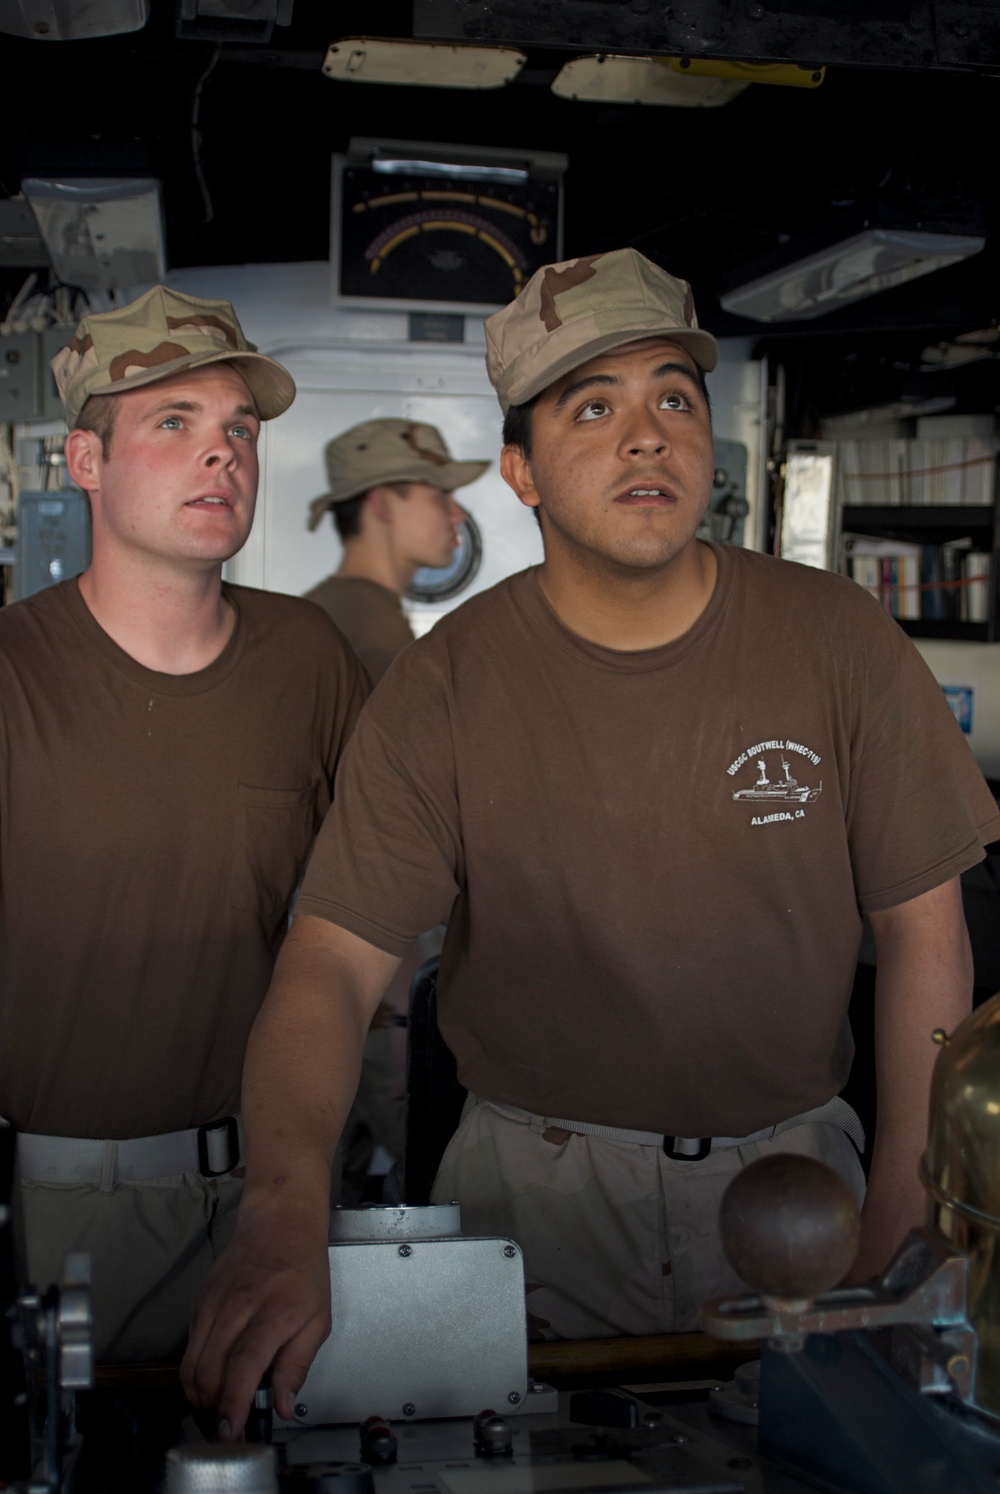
(421, 1328)
(18, 377)
(53, 539)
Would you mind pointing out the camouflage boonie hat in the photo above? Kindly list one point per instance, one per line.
(161, 334)
(568, 313)
(384, 451)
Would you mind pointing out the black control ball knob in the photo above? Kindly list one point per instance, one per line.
(789, 1227)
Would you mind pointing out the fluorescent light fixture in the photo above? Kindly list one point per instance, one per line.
(101, 233)
(641, 80)
(416, 64)
(453, 170)
(872, 260)
(71, 20)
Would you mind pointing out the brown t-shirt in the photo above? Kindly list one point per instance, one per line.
(369, 615)
(653, 922)
(153, 829)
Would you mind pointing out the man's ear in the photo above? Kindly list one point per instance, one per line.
(378, 503)
(515, 469)
(84, 458)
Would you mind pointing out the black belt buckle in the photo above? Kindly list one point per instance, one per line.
(704, 1147)
(232, 1131)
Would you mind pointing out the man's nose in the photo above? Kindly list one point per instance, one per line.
(456, 513)
(646, 434)
(222, 449)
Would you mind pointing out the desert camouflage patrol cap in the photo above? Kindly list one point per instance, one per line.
(163, 333)
(384, 451)
(568, 313)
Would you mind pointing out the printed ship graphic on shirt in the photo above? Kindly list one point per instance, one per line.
(789, 791)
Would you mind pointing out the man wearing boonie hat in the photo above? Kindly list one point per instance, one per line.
(390, 498)
(655, 782)
(162, 774)
(391, 486)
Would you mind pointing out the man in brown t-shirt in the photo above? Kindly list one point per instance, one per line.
(162, 775)
(391, 486)
(655, 783)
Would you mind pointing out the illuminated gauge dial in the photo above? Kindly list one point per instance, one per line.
(421, 239)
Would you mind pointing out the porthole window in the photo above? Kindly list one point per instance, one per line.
(441, 583)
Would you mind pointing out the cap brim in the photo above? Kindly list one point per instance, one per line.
(272, 386)
(456, 475)
(701, 345)
(447, 477)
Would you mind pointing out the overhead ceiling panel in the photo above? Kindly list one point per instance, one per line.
(885, 33)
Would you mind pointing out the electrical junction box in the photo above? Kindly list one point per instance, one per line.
(18, 377)
(53, 539)
(427, 1322)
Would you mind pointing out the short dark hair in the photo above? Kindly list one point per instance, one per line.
(347, 515)
(517, 425)
(99, 413)
(517, 421)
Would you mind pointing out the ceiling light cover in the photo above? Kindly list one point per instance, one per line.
(414, 64)
(101, 234)
(868, 262)
(777, 74)
(641, 80)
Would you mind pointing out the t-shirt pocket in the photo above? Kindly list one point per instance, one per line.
(272, 837)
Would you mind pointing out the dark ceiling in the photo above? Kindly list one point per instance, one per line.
(700, 191)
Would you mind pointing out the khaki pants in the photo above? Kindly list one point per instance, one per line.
(150, 1245)
(617, 1238)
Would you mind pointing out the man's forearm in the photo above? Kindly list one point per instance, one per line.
(301, 1069)
(266, 1302)
(923, 981)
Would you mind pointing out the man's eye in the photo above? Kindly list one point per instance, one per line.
(675, 401)
(242, 431)
(593, 410)
(172, 423)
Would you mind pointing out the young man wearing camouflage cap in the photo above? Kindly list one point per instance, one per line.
(162, 774)
(656, 782)
(391, 486)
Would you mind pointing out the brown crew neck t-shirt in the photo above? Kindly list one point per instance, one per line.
(153, 829)
(654, 863)
(369, 615)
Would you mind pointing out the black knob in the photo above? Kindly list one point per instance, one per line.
(492, 1435)
(789, 1227)
(378, 1442)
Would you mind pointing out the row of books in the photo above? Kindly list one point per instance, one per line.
(939, 583)
(959, 470)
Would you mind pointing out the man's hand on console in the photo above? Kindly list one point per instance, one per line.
(264, 1306)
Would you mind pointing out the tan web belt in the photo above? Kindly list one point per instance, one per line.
(835, 1112)
(211, 1150)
